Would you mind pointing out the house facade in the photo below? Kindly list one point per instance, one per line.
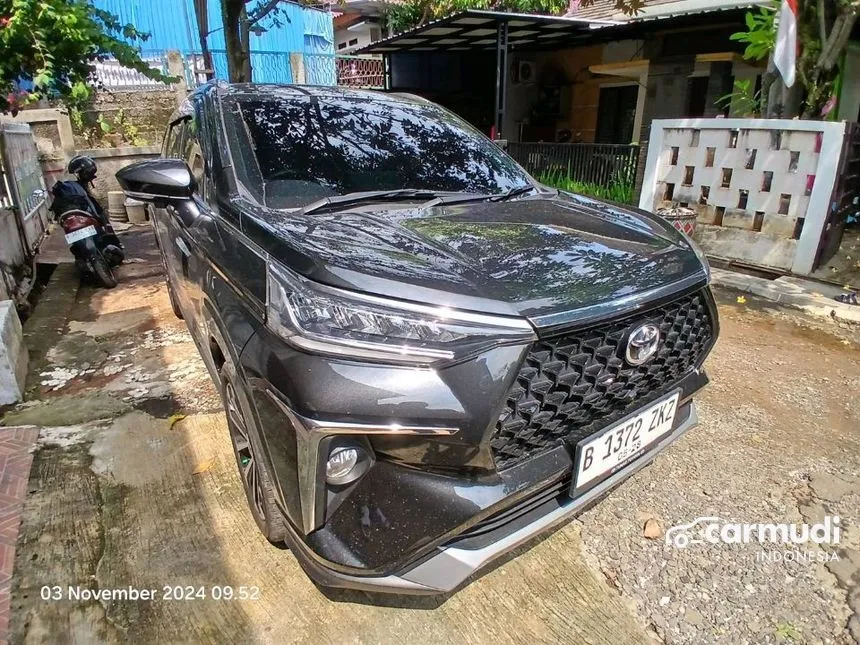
(357, 24)
(593, 76)
(611, 91)
(354, 31)
(682, 64)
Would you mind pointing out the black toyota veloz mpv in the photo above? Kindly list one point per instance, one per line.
(426, 357)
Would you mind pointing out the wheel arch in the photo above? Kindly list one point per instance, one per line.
(218, 344)
(225, 336)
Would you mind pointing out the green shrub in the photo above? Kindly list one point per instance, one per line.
(617, 190)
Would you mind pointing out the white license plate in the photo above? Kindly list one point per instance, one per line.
(602, 453)
(81, 234)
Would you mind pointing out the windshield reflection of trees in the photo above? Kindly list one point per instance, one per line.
(351, 144)
(570, 249)
(538, 262)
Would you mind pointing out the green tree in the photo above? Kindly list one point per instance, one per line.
(240, 19)
(823, 30)
(48, 49)
(401, 16)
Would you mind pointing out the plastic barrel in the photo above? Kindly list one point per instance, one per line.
(116, 206)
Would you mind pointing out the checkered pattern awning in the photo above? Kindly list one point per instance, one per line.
(476, 30)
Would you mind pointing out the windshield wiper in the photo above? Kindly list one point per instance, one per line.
(368, 196)
(455, 198)
(513, 192)
(459, 198)
(402, 194)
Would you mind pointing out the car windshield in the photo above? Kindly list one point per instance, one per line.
(296, 148)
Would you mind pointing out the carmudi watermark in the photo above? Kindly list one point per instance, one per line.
(714, 530)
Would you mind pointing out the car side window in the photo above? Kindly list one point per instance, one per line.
(169, 136)
(193, 155)
(190, 138)
(195, 162)
(175, 140)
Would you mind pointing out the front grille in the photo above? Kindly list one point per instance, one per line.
(570, 383)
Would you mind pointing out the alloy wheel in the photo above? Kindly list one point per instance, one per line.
(248, 465)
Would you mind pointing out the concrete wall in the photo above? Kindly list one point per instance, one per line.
(12, 251)
(666, 96)
(720, 83)
(761, 188)
(52, 130)
(146, 111)
(57, 141)
(109, 160)
(582, 119)
(550, 70)
(743, 71)
(13, 355)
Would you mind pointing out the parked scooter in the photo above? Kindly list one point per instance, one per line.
(89, 234)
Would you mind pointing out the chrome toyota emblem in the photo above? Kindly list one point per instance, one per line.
(642, 344)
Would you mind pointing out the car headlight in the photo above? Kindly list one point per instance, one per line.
(324, 319)
(699, 254)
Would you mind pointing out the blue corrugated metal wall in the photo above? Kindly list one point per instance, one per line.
(170, 23)
(173, 25)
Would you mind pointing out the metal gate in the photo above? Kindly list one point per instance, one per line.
(23, 183)
(846, 196)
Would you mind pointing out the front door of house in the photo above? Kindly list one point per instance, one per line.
(616, 114)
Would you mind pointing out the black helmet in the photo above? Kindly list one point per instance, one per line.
(83, 167)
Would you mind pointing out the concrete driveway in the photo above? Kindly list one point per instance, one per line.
(134, 486)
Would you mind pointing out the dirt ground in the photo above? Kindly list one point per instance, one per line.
(134, 486)
(844, 267)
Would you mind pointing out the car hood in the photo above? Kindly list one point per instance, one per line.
(537, 257)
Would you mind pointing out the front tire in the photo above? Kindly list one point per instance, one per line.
(102, 271)
(253, 472)
(174, 303)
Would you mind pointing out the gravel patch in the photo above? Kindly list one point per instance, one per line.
(778, 441)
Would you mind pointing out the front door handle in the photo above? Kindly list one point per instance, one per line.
(186, 254)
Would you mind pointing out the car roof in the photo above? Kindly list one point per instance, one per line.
(284, 91)
(298, 91)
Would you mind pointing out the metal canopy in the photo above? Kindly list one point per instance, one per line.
(474, 29)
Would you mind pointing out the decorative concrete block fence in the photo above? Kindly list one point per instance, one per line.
(761, 188)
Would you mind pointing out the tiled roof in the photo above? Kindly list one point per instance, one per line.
(608, 9)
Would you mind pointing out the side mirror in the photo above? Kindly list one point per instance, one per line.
(159, 181)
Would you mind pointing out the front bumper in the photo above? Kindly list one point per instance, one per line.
(449, 565)
(434, 506)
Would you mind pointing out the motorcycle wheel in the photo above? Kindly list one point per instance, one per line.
(113, 254)
(102, 271)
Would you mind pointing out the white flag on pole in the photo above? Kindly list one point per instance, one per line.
(785, 52)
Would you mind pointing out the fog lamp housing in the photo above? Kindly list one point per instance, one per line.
(345, 464)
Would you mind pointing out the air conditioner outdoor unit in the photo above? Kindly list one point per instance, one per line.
(524, 72)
